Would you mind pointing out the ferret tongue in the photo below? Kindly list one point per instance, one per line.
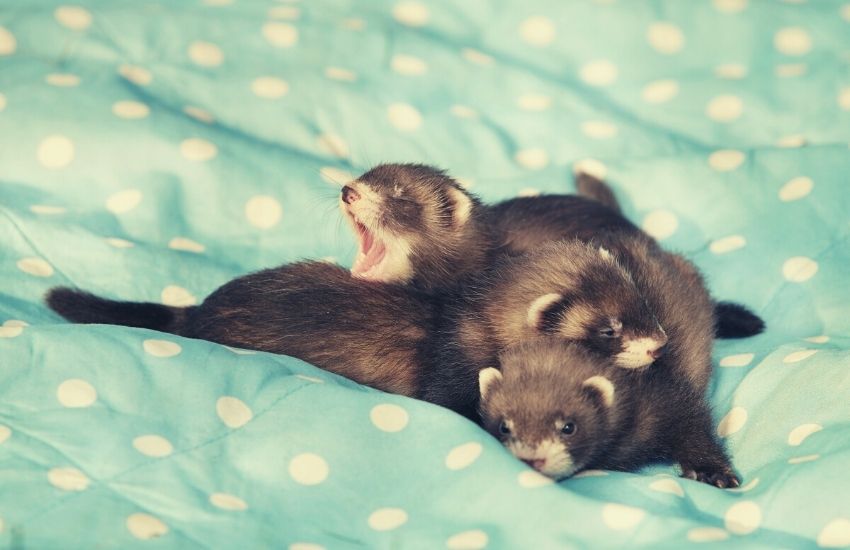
(370, 255)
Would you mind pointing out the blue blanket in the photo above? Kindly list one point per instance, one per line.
(153, 151)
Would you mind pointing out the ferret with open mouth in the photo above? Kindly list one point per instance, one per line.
(562, 410)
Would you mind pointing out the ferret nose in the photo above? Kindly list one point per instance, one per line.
(349, 195)
(536, 463)
(657, 352)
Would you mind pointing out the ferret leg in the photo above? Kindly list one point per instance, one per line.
(701, 455)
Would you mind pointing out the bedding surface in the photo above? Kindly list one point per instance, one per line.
(155, 150)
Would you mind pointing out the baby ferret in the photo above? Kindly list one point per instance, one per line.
(563, 410)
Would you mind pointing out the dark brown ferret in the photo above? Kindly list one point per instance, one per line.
(563, 410)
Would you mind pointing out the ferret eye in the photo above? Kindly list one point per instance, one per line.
(568, 429)
(503, 428)
(609, 332)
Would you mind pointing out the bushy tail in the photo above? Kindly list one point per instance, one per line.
(594, 188)
(733, 320)
(81, 307)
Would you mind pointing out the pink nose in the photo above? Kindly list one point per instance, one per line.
(536, 463)
(349, 195)
(657, 352)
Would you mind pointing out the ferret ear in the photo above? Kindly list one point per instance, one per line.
(461, 206)
(539, 310)
(487, 378)
(602, 388)
(605, 253)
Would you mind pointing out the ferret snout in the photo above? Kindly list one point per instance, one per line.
(349, 195)
(657, 352)
(536, 463)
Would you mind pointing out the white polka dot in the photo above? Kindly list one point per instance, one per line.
(726, 160)
(76, 393)
(796, 189)
(233, 412)
(790, 70)
(537, 31)
(660, 91)
(747, 487)
(118, 243)
(792, 41)
(727, 244)
(5, 433)
(387, 519)
(263, 211)
(798, 356)
(227, 502)
(599, 129)
(404, 117)
(12, 328)
(389, 417)
(800, 433)
(269, 87)
(354, 24)
(413, 14)
(2, 102)
(73, 17)
(333, 145)
(667, 485)
(177, 296)
(338, 73)
(468, 540)
(308, 469)
(463, 111)
(135, 74)
(592, 167)
(534, 102)
(238, 351)
(590, 473)
(305, 546)
(197, 149)
(124, 201)
(284, 12)
(68, 479)
(731, 71)
(528, 192)
(47, 209)
(130, 109)
(205, 54)
(598, 73)
(620, 517)
(312, 379)
(463, 455)
(844, 99)
(738, 360)
(707, 534)
(791, 141)
(62, 80)
(822, 339)
(217, 3)
(799, 269)
(665, 38)
(188, 245)
(533, 159)
(836, 533)
(199, 114)
(477, 57)
(55, 152)
(803, 459)
(335, 176)
(37, 267)
(153, 445)
(729, 6)
(743, 517)
(845, 12)
(725, 108)
(280, 35)
(732, 422)
(408, 65)
(161, 348)
(530, 479)
(145, 526)
(8, 44)
(660, 224)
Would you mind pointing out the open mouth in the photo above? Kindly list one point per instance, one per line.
(370, 254)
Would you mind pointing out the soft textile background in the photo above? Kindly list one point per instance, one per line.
(155, 150)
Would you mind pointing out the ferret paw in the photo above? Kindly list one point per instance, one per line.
(719, 476)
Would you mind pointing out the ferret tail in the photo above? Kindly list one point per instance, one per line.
(733, 320)
(82, 307)
(594, 188)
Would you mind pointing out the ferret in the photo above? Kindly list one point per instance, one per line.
(561, 410)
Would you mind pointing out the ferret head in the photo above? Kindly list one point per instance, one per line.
(414, 224)
(583, 294)
(551, 404)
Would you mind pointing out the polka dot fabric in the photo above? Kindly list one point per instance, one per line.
(153, 151)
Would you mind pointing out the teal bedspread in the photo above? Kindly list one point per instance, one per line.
(155, 150)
